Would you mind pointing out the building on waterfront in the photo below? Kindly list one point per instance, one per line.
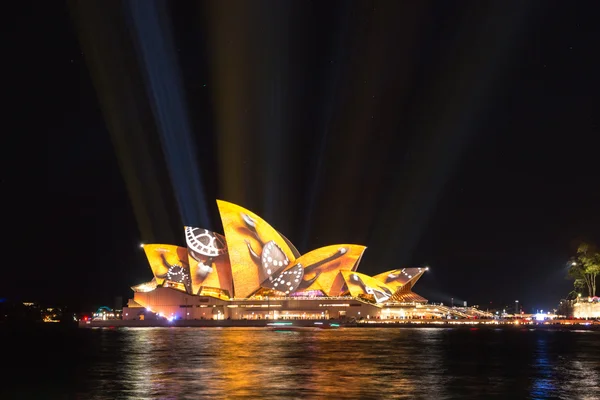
(588, 308)
(580, 308)
(254, 272)
(105, 313)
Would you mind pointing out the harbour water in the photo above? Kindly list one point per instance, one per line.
(251, 363)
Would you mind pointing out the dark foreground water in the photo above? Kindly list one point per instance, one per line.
(195, 363)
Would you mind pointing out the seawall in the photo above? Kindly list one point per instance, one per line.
(485, 324)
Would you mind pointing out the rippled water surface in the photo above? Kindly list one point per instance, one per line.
(156, 363)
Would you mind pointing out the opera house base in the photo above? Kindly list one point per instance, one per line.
(169, 307)
(173, 305)
(165, 303)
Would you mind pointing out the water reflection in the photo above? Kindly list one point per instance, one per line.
(346, 363)
(246, 363)
(194, 363)
(543, 383)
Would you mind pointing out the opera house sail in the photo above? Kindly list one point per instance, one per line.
(253, 271)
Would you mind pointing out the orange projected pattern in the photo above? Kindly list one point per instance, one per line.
(321, 266)
(215, 274)
(262, 257)
(254, 259)
(397, 278)
(169, 263)
(208, 260)
(246, 235)
(145, 287)
(361, 284)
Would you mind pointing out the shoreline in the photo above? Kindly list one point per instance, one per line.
(482, 324)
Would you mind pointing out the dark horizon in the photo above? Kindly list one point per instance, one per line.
(463, 138)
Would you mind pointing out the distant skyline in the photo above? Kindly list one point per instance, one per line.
(463, 138)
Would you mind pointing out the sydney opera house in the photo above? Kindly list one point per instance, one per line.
(254, 272)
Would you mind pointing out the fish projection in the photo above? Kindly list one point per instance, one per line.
(263, 258)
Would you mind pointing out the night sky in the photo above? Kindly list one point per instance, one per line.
(459, 135)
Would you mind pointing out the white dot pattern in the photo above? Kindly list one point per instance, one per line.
(273, 259)
(287, 281)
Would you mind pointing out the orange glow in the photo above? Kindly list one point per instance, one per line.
(254, 259)
(208, 260)
(219, 277)
(397, 278)
(161, 256)
(364, 285)
(244, 229)
(325, 263)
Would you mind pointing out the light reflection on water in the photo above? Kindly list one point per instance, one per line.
(346, 363)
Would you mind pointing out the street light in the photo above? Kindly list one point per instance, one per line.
(516, 307)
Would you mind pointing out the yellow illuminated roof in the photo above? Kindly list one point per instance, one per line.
(253, 257)
(169, 263)
(361, 284)
(246, 234)
(397, 278)
(208, 260)
(324, 264)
